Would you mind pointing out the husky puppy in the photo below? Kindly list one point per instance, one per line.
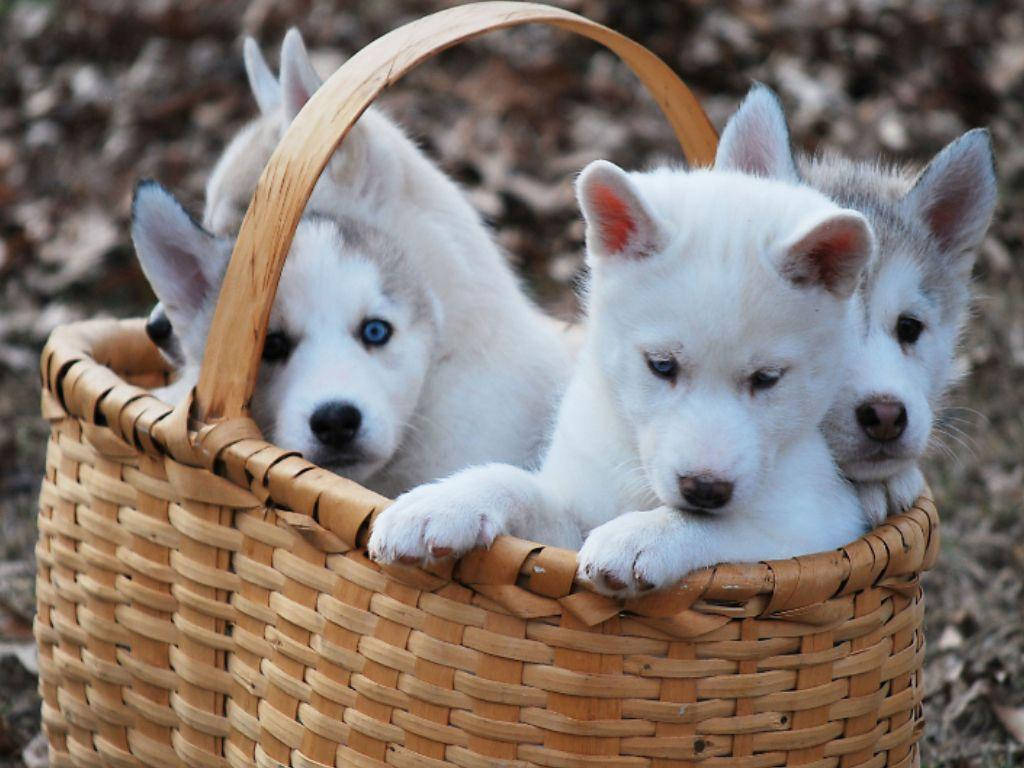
(912, 300)
(913, 304)
(353, 331)
(719, 315)
(481, 367)
(373, 366)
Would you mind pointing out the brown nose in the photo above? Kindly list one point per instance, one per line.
(704, 492)
(882, 420)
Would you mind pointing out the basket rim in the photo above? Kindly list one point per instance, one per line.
(82, 365)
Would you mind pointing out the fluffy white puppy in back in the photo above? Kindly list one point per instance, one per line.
(720, 314)
(912, 300)
(401, 347)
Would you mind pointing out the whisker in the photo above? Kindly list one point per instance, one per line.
(963, 440)
(937, 442)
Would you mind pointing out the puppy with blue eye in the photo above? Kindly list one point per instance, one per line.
(376, 362)
(401, 347)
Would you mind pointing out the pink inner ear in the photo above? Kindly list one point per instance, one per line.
(829, 255)
(614, 219)
(942, 216)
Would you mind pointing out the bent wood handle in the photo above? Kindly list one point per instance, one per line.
(235, 343)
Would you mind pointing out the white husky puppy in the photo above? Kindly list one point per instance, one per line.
(912, 300)
(401, 347)
(378, 362)
(719, 316)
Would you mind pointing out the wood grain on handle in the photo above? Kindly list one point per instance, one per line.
(239, 326)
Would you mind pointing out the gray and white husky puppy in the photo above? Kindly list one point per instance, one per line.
(401, 347)
(913, 298)
(914, 301)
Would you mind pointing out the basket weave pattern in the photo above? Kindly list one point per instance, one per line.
(204, 598)
(182, 620)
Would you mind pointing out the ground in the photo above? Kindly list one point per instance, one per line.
(96, 94)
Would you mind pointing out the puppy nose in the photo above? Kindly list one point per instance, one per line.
(882, 420)
(158, 326)
(705, 493)
(336, 423)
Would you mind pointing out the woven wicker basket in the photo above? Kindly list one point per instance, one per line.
(204, 601)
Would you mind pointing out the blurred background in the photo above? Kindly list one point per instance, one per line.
(96, 94)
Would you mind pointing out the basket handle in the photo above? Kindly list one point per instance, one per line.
(233, 349)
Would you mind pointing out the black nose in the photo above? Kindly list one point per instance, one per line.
(158, 326)
(882, 420)
(335, 424)
(705, 493)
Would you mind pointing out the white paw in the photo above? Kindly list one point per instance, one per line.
(633, 554)
(904, 489)
(873, 501)
(436, 521)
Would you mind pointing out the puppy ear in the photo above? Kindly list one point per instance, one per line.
(619, 223)
(829, 253)
(262, 83)
(182, 261)
(299, 80)
(756, 139)
(956, 194)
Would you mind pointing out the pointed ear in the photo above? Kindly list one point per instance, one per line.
(756, 139)
(830, 253)
(619, 223)
(299, 80)
(262, 83)
(956, 194)
(182, 261)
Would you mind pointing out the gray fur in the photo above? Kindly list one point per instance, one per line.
(928, 227)
(886, 195)
(878, 191)
(400, 278)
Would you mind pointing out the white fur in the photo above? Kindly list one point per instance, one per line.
(476, 379)
(400, 170)
(756, 139)
(713, 273)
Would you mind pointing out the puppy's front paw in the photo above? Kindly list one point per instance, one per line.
(432, 522)
(633, 554)
(904, 489)
(890, 497)
(873, 501)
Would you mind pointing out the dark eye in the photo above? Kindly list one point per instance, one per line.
(277, 346)
(663, 367)
(908, 329)
(766, 378)
(375, 332)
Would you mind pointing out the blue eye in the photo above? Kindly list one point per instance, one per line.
(375, 332)
(663, 367)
